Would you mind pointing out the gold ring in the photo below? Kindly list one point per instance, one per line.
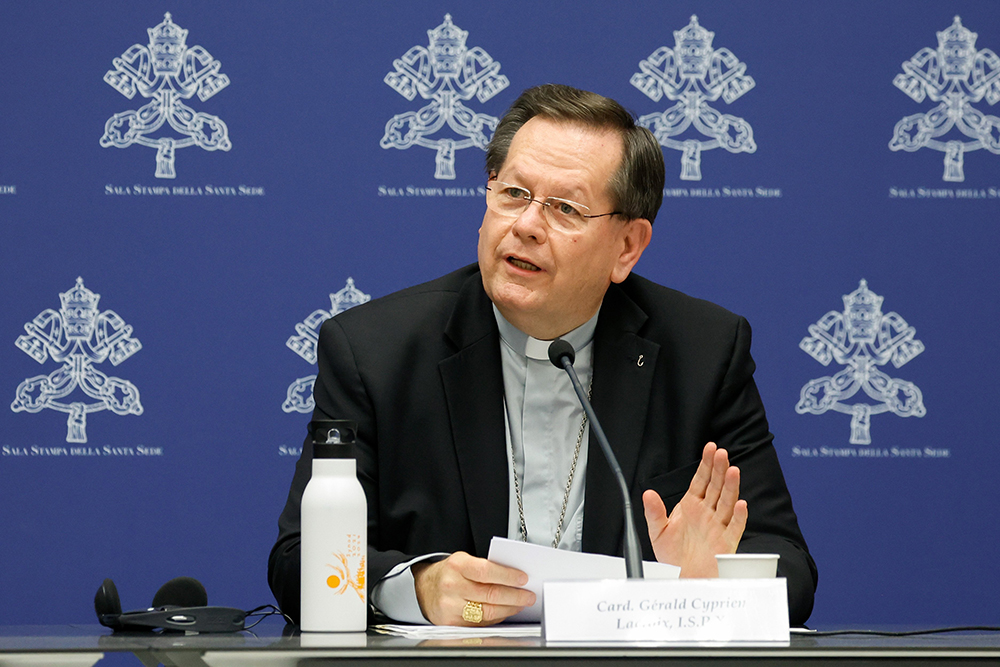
(473, 612)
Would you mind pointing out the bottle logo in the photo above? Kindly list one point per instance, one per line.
(345, 577)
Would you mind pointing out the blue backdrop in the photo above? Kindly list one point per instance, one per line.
(184, 199)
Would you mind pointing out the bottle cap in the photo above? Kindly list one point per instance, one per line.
(333, 438)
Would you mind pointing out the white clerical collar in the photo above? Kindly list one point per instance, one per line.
(533, 348)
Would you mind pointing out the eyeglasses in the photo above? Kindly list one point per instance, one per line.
(561, 214)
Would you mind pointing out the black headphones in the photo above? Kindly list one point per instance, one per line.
(180, 604)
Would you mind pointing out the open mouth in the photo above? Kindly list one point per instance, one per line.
(521, 264)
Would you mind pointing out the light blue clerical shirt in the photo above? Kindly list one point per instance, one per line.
(542, 419)
(543, 423)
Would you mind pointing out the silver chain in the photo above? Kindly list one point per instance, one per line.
(569, 481)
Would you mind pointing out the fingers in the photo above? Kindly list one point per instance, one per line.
(653, 507)
(710, 519)
(493, 614)
(710, 478)
(486, 572)
(444, 588)
(720, 465)
(498, 588)
(656, 513)
(729, 495)
(734, 531)
(703, 475)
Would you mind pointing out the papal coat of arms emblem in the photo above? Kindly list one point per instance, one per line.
(956, 76)
(861, 338)
(300, 393)
(693, 73)
(166, 71)
(78, 336)
(446, 72)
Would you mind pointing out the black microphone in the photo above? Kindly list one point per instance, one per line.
(562, 355)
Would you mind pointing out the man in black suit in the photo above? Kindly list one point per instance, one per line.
(439, 379)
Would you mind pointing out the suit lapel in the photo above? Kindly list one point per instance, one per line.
(624, 363)
(473, 386)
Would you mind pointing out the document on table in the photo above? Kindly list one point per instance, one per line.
(543, 564)
(446, 632)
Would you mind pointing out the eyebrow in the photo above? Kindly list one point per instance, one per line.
(518, 180)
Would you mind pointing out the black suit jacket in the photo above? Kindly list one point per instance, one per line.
(420, 372)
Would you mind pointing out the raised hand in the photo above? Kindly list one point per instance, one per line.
(708, 520)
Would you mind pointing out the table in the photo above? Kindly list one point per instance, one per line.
(272, 645)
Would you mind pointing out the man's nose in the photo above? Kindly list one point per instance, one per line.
(531, 223)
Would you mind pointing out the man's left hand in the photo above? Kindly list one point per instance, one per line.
(708, 520)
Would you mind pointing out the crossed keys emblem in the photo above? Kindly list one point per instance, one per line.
(955, 75)
(861, 338)
(166, 71)
(694, 74)
(78, 336)
(446, 73)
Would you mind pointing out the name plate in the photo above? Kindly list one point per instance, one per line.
(682, 610)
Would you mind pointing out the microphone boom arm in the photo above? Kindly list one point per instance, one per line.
(633, 555)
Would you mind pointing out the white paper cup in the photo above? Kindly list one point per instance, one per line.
(747, 566)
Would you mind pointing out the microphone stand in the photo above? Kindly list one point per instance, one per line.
(562, 355)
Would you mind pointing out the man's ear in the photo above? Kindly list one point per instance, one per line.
(636, 235)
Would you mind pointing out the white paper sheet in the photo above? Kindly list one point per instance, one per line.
(456, 632)
(543, 564)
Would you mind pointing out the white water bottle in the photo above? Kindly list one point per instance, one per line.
(334, 534)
